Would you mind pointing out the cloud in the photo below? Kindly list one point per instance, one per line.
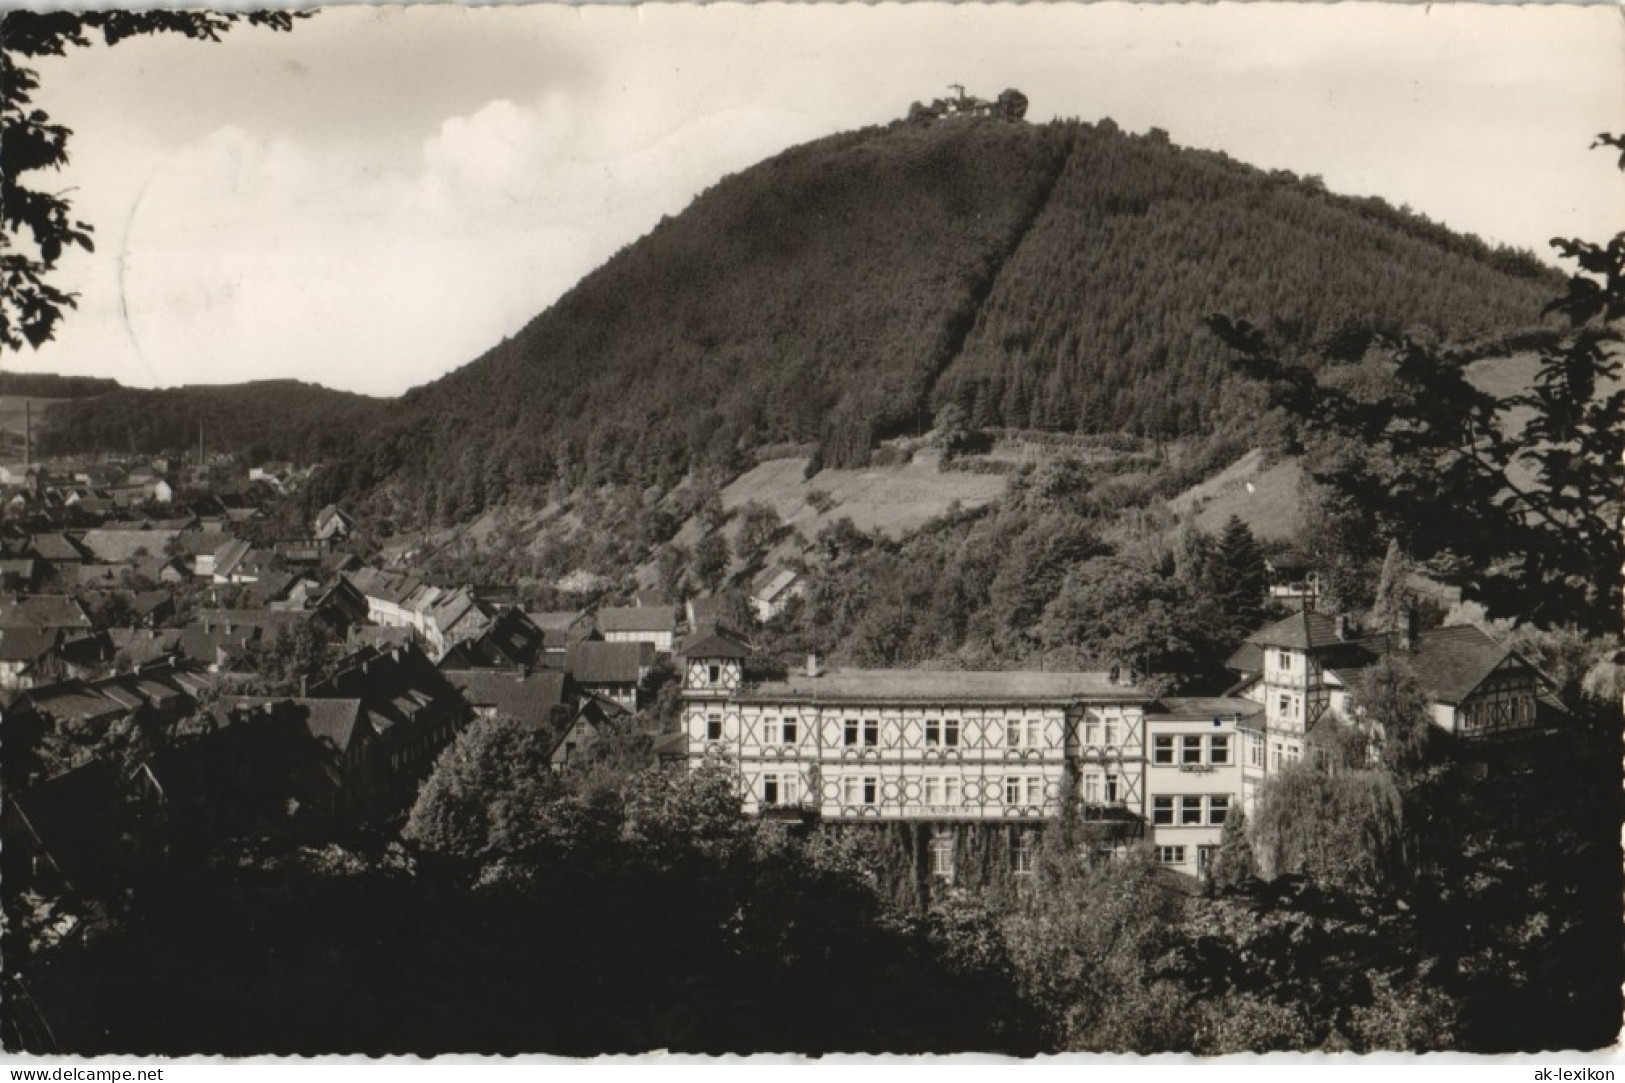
(251, 255)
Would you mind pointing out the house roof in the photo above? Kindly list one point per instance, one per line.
(145, 644)
(57, 547)
(1248, 658)
(71, 818)
(954, 686)
(27, 644)
(1450, 662)
(1303, 630)
(334, 722)
(529, 698)
(43, 611)
(636, 619)
(1201, 708)
(609, 663)
(380, 636)
(558, 620)
(229, 556)
(773, 582)
(715, 645)
(124, 546)
(671, 746)
(149, 601)
(195, 543)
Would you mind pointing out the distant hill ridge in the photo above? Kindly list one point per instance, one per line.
(1050, 276)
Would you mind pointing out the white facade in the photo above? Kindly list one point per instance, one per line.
(885, 745)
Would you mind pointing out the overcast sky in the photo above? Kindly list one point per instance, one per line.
(372, 200)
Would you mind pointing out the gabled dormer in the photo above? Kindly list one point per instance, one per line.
(713, 666)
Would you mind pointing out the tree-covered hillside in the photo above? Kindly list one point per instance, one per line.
(1096, 320)
(1050, 276)
(1053, 276)
(282, 419)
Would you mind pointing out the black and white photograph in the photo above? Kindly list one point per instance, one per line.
(988, 529)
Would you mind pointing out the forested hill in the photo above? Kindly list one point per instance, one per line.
(44, 385)
(1047, 276)
(268, 419)
(1052, 276)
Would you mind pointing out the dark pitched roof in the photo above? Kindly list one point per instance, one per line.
(145, 644)
(149, 602)
(57, 548)
(43, 611)
(609, 663)
(715, 645)
(1453, 661)
(933, 686)
(529, 698)
(1201, 708)
(636, 619)
(1249, 658)
(27, 644)
(1304, 630)
(71, 818)
(333, 722)
(1450, 662)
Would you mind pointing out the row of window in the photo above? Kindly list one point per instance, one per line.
(1175, 855)
(1481, 717)
(1191, 750)
(1022, 790)
(1191, 810)
(943, 847)
(939, 733)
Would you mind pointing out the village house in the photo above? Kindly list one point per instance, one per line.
(773, 589)
(332, 524)
(1205, 760)
(441, 617)
(654, 625)
(164, 692)
(944, 750)
(561, 629)
(546, 701)
(296, 768)
(510, 639)
(1307, 665)
(413, 709)
(612, 670)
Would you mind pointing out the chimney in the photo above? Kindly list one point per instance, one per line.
(815, 667)
(304, 686)
(1342, 626)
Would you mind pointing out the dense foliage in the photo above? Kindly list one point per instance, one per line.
(1515, 497)
(269, 419)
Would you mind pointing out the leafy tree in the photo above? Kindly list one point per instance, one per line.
(1343, 830)
(1083, 942)
(1233, 865)
(678, 817)
(493, 795)
(299, 654)
(710, 563)
(759, 525)
(39, 225)
(1390, 702)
